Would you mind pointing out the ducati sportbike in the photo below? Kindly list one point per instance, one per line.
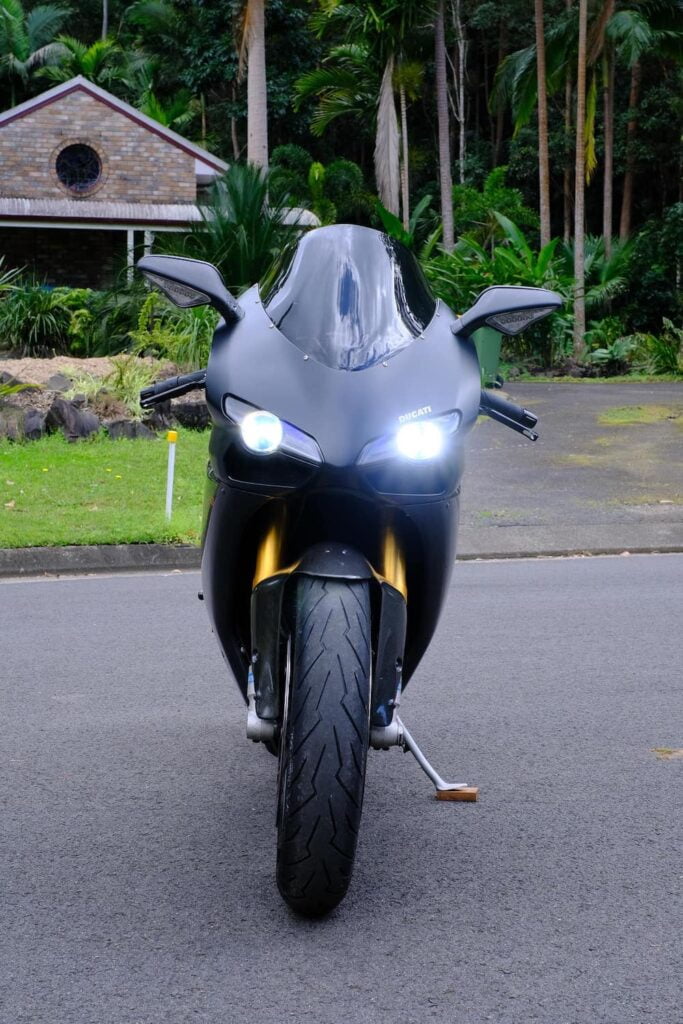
(341, 393)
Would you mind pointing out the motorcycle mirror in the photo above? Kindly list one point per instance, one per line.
(507, 309)
(190, 283)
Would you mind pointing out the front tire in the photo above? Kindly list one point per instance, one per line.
(325, 736)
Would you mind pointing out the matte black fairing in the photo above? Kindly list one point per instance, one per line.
(338, 500)
(343, 411)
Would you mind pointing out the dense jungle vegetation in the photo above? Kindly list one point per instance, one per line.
(508, 142)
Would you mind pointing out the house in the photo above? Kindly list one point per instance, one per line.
(87, 181)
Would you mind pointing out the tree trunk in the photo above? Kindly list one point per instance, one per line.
(233, 127)
(500, 114)
(405, 181)
(105, 18)
(543, 160)
(257, 97)
(580, 189)
(459, 73)
(445, 179)
(627, 199)
(608, 106)
(567, 175)
(387, 143)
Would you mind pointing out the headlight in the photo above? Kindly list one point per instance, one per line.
(262, 432)
(265, 433)
(422, 439)
(419, 440)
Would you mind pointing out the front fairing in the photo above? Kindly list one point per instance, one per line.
(342, 410)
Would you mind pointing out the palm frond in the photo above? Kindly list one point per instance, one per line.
(43, 23)
(387, 142)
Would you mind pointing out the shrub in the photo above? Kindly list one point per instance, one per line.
(34, 320)
(183, 336)
(661, 353)
(241, 230)
(126, 380)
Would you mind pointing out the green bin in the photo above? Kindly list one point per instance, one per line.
(487, 342)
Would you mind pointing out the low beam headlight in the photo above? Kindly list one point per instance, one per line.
(419, 440)
(262, 432)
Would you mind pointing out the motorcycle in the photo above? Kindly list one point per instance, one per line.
(341, 394)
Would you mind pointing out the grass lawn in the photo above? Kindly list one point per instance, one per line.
(99, 491)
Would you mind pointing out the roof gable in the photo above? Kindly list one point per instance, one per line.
(204, 161)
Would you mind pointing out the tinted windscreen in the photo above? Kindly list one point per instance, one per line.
(348, 296)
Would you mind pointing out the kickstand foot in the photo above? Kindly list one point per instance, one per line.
(444, 790)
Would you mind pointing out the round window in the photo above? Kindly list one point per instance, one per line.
(79, 168)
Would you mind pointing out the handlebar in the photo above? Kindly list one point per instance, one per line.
(509, 414)
(163, 390)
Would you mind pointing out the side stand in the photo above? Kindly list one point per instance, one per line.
(396, 735)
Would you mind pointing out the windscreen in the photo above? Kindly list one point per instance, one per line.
(348, 296)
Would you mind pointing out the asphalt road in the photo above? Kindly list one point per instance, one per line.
(138, 824)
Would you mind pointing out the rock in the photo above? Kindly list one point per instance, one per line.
(133, 430)
(79, 401)
(74, 423)
(193, 415)
(159, 417)
(11, 422)
(34, 424)
(7, 378)
(58, 382)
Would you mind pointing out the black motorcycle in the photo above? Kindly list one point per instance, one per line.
(341, 394)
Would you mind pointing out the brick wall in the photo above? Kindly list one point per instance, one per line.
(79, 257)
(138, 165)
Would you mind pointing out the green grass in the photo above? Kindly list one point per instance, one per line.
(627, 378)
(625, 415)
(99, 491)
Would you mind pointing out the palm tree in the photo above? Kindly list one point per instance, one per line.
(27, 40)
(104, 62)
(375, 50)
(543, 159)
(445, 178)
(653, 28)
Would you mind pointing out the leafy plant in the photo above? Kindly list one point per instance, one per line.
(115, 315)
(126, 379)
(181, 336)
(34, 320)
(242, 228)
(661, 353)
(7, 277)
(474, 211)
(394, 227)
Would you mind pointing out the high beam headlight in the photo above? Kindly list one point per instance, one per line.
(262, 432)
(419, 440)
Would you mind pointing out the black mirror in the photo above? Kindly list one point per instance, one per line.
(509, 310)
(190, 283)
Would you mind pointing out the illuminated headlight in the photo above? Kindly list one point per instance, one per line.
(262, 432)
(422, 439)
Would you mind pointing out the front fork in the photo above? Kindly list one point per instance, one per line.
(272, 579)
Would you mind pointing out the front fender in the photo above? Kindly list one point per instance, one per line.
(270, 632)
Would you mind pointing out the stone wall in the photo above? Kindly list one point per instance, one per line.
(138, 166)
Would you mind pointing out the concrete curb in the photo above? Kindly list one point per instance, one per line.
(474, 542)
(96, 558)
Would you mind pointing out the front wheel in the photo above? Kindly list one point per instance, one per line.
(323, 750)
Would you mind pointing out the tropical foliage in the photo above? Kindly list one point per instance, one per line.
(560, 123)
